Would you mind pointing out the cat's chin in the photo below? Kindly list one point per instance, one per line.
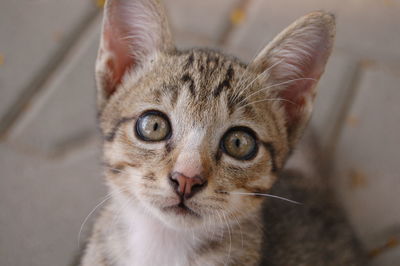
(178, 217)
(181, 210)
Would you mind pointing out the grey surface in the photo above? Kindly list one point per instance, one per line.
(367, 158)
(68, 113)
(43, 204)
(367, 28)
(31, 32)
(334, 89)
(205, 18)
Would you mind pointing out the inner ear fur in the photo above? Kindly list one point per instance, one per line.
(295, 60)
(133, 32)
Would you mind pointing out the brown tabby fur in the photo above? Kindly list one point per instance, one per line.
(204, 93)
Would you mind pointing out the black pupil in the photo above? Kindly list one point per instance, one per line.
(237, 143)
(155, 126)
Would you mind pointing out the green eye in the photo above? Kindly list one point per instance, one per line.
(153, 126)
(240, 143)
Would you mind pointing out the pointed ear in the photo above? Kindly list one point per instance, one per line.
(295, 61)
(133, 32)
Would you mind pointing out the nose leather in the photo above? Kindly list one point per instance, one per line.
(187, 186)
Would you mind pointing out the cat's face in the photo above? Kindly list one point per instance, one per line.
(198, 114)
(188, 134)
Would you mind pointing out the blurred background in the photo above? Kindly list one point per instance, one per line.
(50, 176)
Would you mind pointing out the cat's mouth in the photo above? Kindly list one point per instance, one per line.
(181, 209)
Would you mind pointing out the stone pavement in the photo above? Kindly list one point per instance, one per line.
(49, 167)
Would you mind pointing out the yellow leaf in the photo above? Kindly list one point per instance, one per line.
(237, 16)
(100, 3)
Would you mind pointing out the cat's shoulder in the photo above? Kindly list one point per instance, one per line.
(313, 232)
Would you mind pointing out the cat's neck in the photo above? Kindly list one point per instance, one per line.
(149, 241)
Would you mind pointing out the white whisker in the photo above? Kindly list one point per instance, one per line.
(265, 72)
(265, 100)
(210, 226)
(240, 227)
(87, 217)
(223, 232)
(241, 80)
(262, 194)
(106, 198)
(230, 236)
(276, 85)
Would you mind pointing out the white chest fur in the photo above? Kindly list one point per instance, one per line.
(150, 242)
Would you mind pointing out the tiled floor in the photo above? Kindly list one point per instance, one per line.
(49, 167)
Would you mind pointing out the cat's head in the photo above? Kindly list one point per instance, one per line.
(187, 134)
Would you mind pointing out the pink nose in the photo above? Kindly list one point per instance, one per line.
(186, 186)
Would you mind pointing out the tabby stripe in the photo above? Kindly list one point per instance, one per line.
(272, 152)
(168, 147)
(187, 78)
(226, 83)
(110, 136)
(172, 91)
(209, 60)
(118, 167)
(189, 61)
(150, 176)
(218, 155)
(201, 68)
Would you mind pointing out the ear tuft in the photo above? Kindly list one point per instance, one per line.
(296, 59)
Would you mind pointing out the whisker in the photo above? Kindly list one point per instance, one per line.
(106, 198)
(265, 72)
(265, 100)
(124, 171)
(276, 85)
(262, 194)
(230, 236)
(116, 169)
(222, 222)
(241, 80)
(210, 226)
(87, 217)
(240, 227)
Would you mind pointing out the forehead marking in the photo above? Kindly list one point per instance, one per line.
(212, 63)
(189, 61)
(186, 78)
(226, 83)
(172, 92)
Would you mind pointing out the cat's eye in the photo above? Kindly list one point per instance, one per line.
(153, 126)
(240, 143)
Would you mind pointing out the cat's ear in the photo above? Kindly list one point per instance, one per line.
(296, 59)
(133, 32)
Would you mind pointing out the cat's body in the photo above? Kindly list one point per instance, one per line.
(143, 240)
(191, 139)
(314, 233)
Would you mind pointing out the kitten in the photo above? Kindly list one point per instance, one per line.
(192, 140)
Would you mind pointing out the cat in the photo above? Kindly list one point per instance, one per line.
(194, 140)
